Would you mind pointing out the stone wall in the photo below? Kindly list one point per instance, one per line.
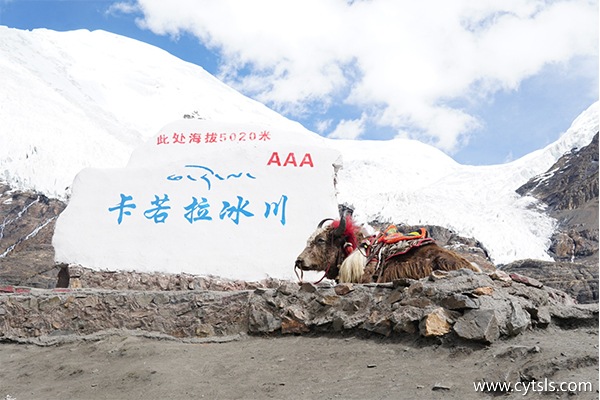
(459, 304)
(80, 277)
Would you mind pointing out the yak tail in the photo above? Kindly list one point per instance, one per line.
(353, 267)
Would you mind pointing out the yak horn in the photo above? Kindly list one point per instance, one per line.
(339, 231)
(322, 222)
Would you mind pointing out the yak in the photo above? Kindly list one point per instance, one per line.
(345, 255)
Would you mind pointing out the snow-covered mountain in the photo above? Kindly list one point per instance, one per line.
(70, 100)
(411, 182)
(75, 99)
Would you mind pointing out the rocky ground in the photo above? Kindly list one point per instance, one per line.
(121, 365)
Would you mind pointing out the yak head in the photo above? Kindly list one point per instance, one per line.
(325, 248)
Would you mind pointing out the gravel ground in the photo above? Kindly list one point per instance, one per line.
(122, 365)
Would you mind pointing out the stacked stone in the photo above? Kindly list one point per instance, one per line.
(462, 304)
(81, 277)
(458, 304)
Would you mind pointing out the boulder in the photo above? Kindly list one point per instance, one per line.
(479, 325)
(436, 323)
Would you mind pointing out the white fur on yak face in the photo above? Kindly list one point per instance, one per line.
(312, 239)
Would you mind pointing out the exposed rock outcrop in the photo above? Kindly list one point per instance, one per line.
(26, 227)
(570, 190)
(578, 280)
(570, 183)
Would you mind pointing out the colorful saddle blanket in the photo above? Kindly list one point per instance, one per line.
(392, 243)
(392, 235)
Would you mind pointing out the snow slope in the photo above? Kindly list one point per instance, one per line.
(70, 100)
(75, 99)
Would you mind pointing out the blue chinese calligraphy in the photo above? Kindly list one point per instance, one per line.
(197, 210)
(200, 172)
(121, 207)
(278, 208)
(158, 213)
(233, 212)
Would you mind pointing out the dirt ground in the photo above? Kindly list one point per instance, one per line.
(128, 366)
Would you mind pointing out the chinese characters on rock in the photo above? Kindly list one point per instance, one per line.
(200, 210)
(212, 137)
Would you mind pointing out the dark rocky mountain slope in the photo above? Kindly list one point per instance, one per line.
(26, 227)
(570, 191)
(570, 184)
